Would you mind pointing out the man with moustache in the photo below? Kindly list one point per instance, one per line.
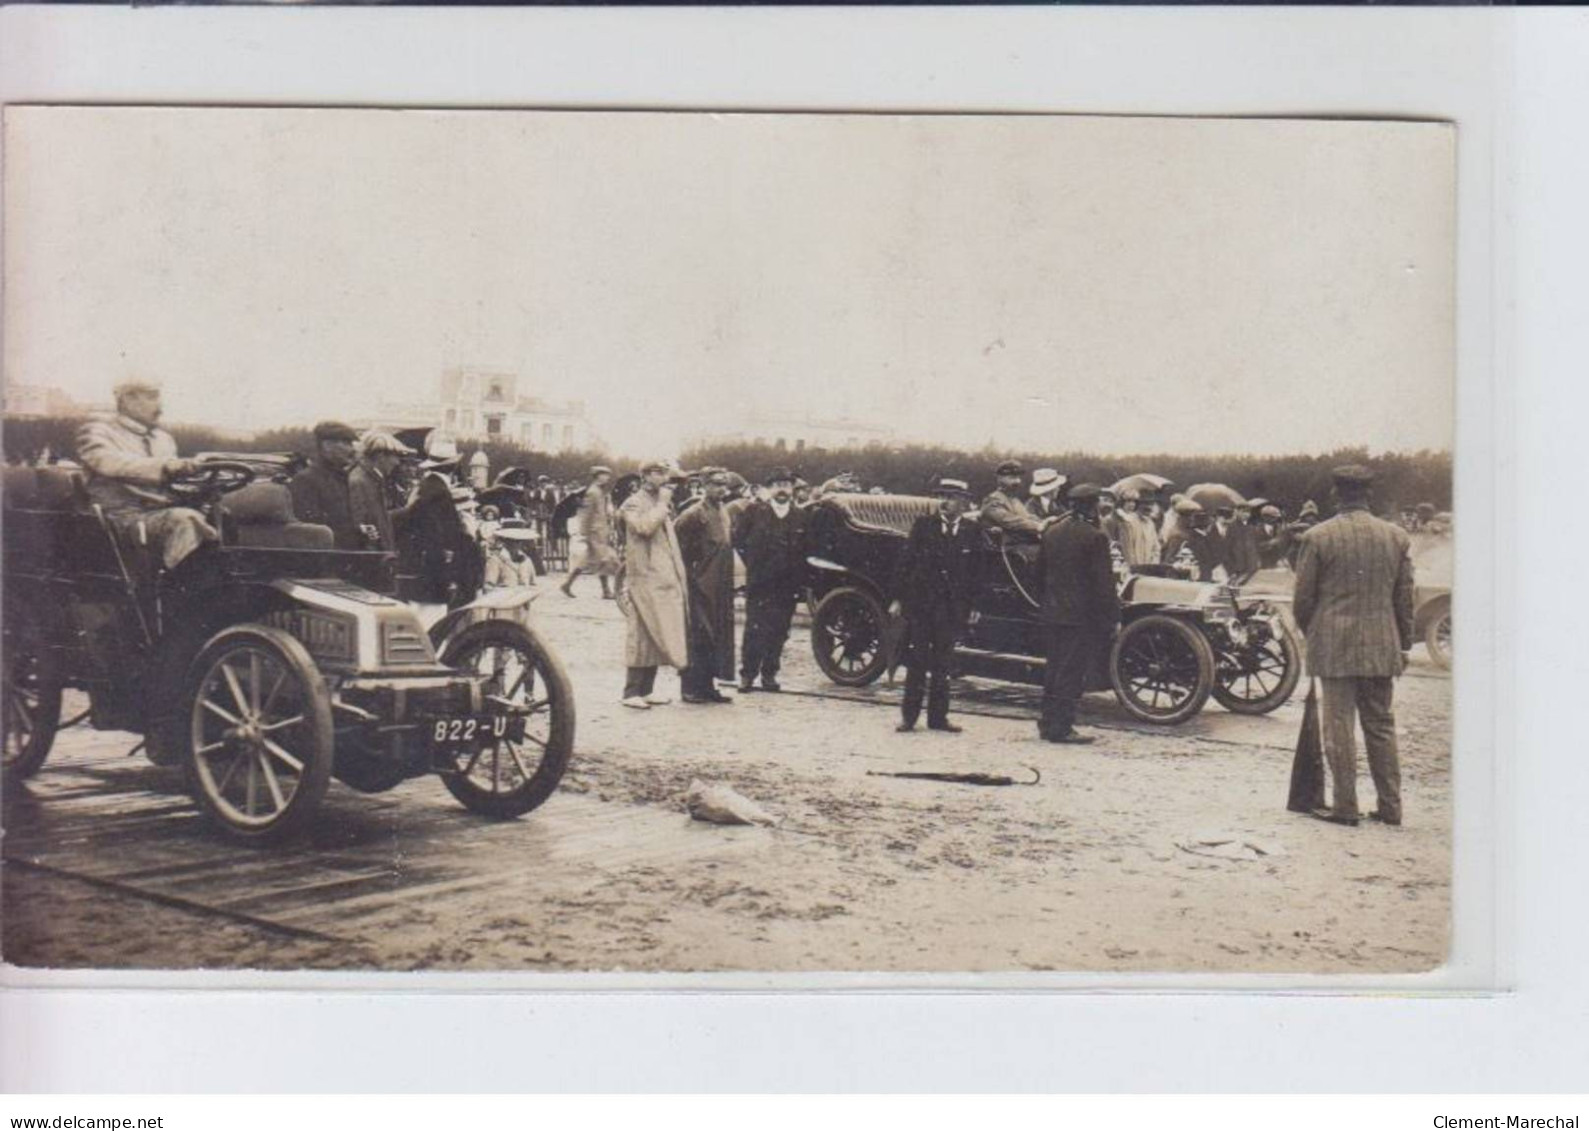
(936, 580)
(1080, 611)
(769, 536)
(324, 493)
(130, 461)
(1004, 508)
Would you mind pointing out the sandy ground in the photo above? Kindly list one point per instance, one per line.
(1100, 867)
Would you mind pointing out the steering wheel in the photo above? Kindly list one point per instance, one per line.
(210, 480)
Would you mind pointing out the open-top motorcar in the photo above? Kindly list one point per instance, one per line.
(1181, 641)
(270, 664)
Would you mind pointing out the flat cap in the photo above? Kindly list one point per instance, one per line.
(1085, 492)
(655, 465)
(1011, 467)
(1352, 475)
(374, 443)
(1045, 481)
(334, 430)
(601, 469)
(1256, 503)
(1187, 506)
(135, 385)
(779, 475)
(1270, 511)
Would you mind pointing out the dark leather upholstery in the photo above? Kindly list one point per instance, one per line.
(895, 513)
(259, 504)
(45, 488)
(286, 536)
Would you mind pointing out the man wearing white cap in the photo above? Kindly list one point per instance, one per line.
(1044, 503)
(656, 586)
(130, 461)
(935, 580)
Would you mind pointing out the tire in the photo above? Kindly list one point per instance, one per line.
(259, 720)
(1437, 638)
(1162, 669)
(32, 710)
(847, 637)
(1259, 678)
(495, 781)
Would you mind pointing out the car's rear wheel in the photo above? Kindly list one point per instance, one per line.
(847, 637)
(1162, 669)
(506, 778)
(1437, 638)
(32, 710)
(1257, 669)
(260, 741)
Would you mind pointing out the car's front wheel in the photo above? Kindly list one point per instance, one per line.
(1437, 638)
(1257, 668)
(1162, 669)
(260, 741)
(847, 637)
(508, 777)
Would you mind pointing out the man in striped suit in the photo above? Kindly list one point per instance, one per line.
(1354, 604)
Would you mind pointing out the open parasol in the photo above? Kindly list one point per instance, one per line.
(1142, 483)
(1212, 496)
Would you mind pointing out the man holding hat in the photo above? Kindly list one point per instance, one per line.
(769, 535)
(1044, 492)
(1080, 611)
(322, 492)
(1354, 604)
(936, 581)
(130, 460)
(595, 530)
(1005, 510)
(655, 584)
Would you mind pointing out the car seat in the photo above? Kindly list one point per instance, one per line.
(260, 515)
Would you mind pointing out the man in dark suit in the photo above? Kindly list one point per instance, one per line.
(769, 534)
(1354, 603)
(1080, 611)
(935, 581)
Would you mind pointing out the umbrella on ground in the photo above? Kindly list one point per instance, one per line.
(1212, 496)
(1142, 483)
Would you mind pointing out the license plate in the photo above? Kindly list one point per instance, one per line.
(465, 732)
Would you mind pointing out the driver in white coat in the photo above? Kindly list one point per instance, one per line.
(130, 461)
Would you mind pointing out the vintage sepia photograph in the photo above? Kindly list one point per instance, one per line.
(726, 543)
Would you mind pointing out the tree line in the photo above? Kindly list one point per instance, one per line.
(1404, 479)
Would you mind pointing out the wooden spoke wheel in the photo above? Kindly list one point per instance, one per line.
(260, 737)
(32, 710)
(506, 777)
(1437, 638)
(1162, 669)
(847, 637)
(1257, 670)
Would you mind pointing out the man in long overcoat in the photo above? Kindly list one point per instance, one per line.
(595, 528)
(770, 534)
(936, 581)
(1354, 604)
(1079, 613)
(655, 586)
(706, 545)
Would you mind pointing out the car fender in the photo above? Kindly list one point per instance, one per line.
(508, 603)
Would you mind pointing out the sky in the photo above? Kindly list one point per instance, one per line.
(1043, 283)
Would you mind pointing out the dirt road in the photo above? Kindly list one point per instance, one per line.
(1155, 850)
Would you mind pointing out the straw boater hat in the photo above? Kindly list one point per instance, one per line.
(947, 485)
(1046, 481)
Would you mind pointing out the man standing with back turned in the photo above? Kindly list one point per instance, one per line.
(1080, 611)
(1354, 605)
